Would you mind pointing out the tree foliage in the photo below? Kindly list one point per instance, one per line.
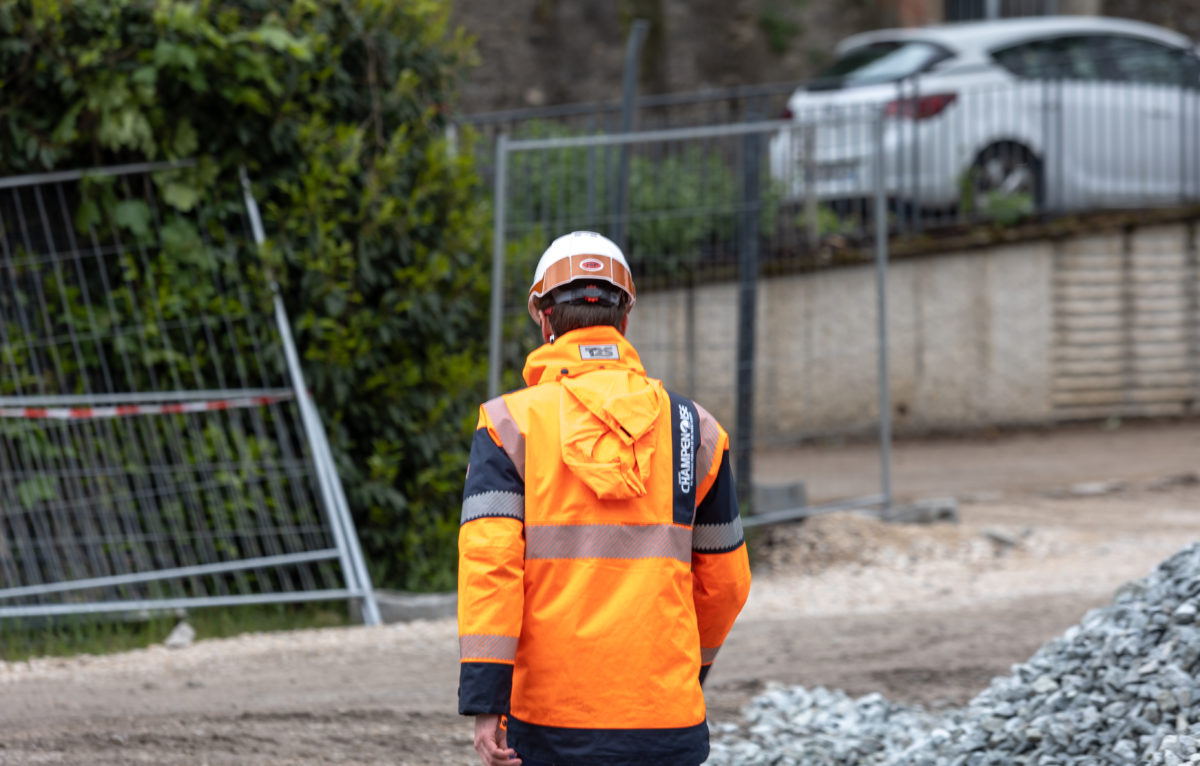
(376, 226)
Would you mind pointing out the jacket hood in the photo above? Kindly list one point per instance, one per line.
(607, 409)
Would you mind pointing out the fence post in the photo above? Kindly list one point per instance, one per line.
(1183, 131)
(342, 524)
(881, 269)
(633, 47)
(811, 213)
(327, 476)
(912, 206)
(747, 305)
(592, 219)
(498, 213)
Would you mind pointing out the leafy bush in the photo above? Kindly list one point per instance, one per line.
(682, 203)
(378, 231)
(680, 206)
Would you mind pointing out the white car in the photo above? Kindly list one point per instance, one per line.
(1064, 112)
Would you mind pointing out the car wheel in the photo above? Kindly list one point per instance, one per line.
(1003, 184)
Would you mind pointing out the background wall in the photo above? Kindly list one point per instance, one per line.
(540, 52)
(536, 52)
(1092, 326)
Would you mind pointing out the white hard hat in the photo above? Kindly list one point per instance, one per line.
(577, 256)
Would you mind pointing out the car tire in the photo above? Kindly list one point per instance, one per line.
(1004, 183)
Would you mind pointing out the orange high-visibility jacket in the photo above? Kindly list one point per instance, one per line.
(601, 559)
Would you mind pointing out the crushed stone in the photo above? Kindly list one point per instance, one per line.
(1120, 687)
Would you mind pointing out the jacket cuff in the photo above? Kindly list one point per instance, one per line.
(484, 688)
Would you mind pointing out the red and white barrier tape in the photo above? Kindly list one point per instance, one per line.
(124, 410)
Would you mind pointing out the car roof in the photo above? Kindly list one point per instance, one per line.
(969, 36)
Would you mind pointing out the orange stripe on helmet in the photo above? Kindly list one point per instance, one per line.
(582, 266)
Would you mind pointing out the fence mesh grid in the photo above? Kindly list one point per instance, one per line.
(702, 223)
(997, 314)
(151, 448)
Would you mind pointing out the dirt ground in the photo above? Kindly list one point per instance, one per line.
(1050, 525)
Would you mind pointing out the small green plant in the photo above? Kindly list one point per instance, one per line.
(830, 223)
(1002, 207)
(779, 28)
(1006, 207)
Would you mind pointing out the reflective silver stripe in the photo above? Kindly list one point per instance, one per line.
(482, 646)
(609, 541)
(708, 654)
(717, 537)
(511, 438)
(494, 503)
(710, 433)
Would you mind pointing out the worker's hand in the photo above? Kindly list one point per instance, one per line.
(491, 742)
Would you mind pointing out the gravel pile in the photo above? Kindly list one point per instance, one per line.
(1122, 687)
(794, 725)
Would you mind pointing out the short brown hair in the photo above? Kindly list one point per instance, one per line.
(565, 317)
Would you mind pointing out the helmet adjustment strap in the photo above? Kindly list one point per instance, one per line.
(590, 294)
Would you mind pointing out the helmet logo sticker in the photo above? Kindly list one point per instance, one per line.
(591, 264)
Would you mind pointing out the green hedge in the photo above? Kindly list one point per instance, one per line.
(378, 230)
(678, 203)
(683, 205)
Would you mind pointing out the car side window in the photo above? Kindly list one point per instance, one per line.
(1021, 60)
(1078, 58)
(1057, 58)
(1131, 59)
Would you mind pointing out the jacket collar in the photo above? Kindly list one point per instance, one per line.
(580, 351)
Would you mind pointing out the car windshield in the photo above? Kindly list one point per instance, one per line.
(878, 62)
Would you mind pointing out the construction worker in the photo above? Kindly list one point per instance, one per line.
(601, 555)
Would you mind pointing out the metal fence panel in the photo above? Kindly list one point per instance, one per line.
(1052, 131)
(1043, 129)
(156, 450)
(698, 228)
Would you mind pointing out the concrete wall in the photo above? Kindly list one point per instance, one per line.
(976, 338)
(1128, 326)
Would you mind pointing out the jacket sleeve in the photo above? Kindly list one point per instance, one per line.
(491, 555)
(720, 564)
